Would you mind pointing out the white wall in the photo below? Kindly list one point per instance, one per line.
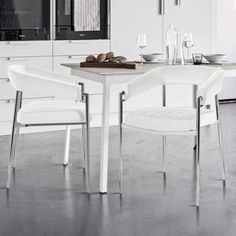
(224, 40)
(128, 17)
(226, 29)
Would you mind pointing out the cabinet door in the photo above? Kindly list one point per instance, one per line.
(25, 48)
(80, 47)
(58, 60)
(41, 63)
(128, 18)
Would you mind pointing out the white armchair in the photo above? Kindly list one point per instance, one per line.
(70, 106)
(164, 120)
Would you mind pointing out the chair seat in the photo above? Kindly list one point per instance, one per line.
(52, 112)
(167, 119)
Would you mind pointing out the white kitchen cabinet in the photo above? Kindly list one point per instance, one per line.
(41, 63)
(6, 90)
(25, 48)
(7, 111)
(58, 60)
(228, 91)
(80, 47)
(128, 18)
(224, 41)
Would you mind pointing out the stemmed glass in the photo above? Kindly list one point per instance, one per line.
(188, 43)
(141, 43)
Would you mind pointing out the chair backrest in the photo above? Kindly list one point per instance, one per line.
(192, 75)
(41, 83)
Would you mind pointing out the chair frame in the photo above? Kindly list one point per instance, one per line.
(197, 103)
(85, 134)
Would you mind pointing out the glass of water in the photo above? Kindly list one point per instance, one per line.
(141, 43)
(188, 43)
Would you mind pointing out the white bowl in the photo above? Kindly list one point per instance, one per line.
(152, 57)
(214, 58)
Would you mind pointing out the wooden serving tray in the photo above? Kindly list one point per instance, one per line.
(126, 65)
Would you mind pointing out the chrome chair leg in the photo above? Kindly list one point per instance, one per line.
(87, 171)
(15, 130)
(219, 129)
(221, 150)
(84, 146)
(13, 151)
(87, 166)
(67, 146)
(14, 137)
(194, 148)
(163, 154)
(121, 160)
(198, 173)
(8, 175)
(198, 129)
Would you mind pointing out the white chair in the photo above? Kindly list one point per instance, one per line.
(207, 83)
(69, 106)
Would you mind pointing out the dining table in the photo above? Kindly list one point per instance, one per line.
(108, 77)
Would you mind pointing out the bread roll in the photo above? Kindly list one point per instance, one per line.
(90, 59)
(109, 55)
(101, 58)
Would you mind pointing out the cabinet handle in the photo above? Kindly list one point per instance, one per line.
(75, 57)
(20, 59)
(162, 7)
(4, 79)
(76, 42)
(17, 44)
(178, 2)
(70, 57)
(16, 59)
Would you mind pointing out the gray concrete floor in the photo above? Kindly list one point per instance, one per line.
(47, 199)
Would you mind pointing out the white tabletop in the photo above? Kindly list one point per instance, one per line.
(140, 69)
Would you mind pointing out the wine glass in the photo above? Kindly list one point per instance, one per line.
(142, 43)
(188, 43)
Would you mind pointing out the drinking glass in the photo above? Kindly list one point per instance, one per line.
(141, 43)
(188, 43)
(197, 58)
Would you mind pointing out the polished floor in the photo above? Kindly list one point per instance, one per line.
(47, 199)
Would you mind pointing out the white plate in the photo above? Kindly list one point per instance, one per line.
(154, 62)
